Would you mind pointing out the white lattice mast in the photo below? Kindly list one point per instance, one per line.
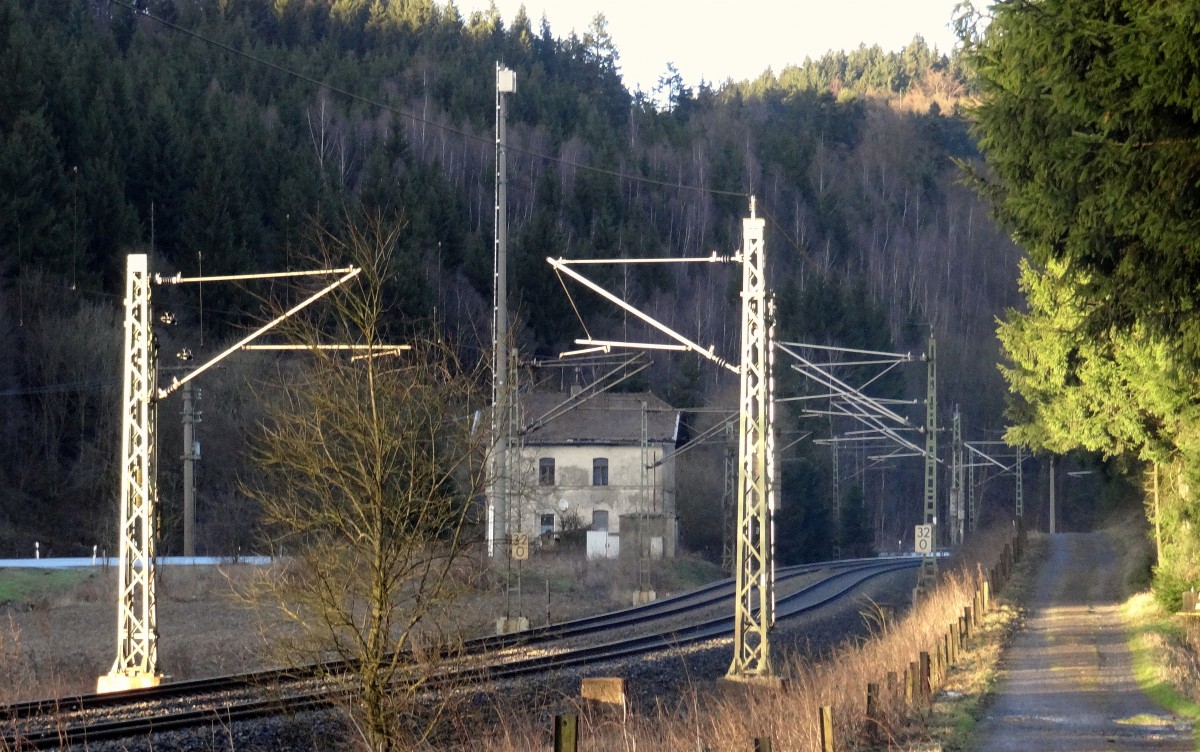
(754, 597)
(136, 664)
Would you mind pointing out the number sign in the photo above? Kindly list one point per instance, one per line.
(924, 539)
(520, 547)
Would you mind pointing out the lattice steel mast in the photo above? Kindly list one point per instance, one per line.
(136, 664)
(754, 586)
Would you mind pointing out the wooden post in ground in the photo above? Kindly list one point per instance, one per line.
(926, 689)
(762, 744)
(826, 726)
(566, 733)
(873, 715)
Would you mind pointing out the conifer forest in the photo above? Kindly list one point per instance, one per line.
(222, 136)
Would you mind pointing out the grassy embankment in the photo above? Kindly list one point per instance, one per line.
(719, 717)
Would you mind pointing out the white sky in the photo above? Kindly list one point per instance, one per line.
(737, 40)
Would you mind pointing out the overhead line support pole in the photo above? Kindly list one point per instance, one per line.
(136, 664)
(928, 575)
(753, 575)
(498, 493)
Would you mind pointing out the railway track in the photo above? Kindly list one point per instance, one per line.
(89, 719)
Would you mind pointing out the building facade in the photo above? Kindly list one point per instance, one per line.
(581, 461)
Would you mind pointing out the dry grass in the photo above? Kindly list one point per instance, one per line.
(730, 716)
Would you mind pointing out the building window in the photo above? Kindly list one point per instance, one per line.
(547, 526)
(546, 471)
(600, 520)
(600, 471)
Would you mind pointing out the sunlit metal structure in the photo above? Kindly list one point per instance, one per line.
(136, 663)
(754, 538)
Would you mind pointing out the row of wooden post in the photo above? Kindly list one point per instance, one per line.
(920, 678)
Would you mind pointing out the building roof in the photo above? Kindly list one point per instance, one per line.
(607, 418)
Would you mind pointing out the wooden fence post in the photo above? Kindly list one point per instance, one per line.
(826, 725)
(566, 733)
(926, 690)
(874, 717)
(762, 744)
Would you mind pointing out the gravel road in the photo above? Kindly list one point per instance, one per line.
(1066, 681)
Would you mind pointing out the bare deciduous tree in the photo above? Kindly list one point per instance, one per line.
(369, 465)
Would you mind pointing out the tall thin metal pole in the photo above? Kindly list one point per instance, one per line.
(190, 455)
(837, 496)
(729, 500)
(1052, 512)
(972, 500)
(498, 495)
(957, 507)
(1019, 491)
(644, 594)
(928, 575)
(1157, 522)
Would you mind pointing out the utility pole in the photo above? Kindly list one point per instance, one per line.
(498, 542)
(729, 500)
(505, 538)
(191, 453)
(1020, 484)
(972, 499)
(837, 497)
(1052, 515)
(928, 575)
(645, 593)
(957, 507)
(1157, 523)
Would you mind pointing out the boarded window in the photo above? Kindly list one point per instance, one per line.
(546, 471)
(600, 471)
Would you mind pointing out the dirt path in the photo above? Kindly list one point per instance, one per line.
(1066, 681)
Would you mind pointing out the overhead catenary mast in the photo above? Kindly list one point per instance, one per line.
(136, 663)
